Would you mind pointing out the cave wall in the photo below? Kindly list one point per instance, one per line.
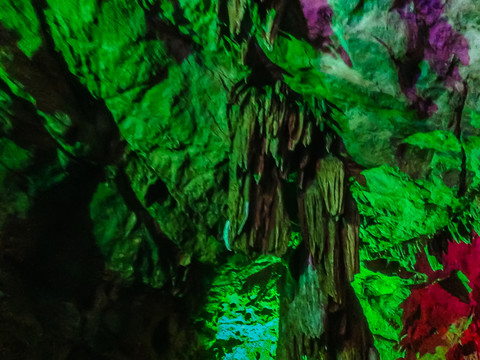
(162, 162)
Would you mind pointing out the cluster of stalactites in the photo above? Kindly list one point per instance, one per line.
(278, 140)
(267, 129)
(331, 233)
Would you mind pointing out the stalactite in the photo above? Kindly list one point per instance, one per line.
(350, 238)
(236, 11)
(314, 224)
(327, 234)
(270, 125)
(331, 177)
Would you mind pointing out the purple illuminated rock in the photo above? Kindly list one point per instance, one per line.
(430, 38)
(319, 19)
(318, 15)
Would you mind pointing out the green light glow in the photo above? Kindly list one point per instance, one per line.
(380, 296)
(19, 16)
(242, 309)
